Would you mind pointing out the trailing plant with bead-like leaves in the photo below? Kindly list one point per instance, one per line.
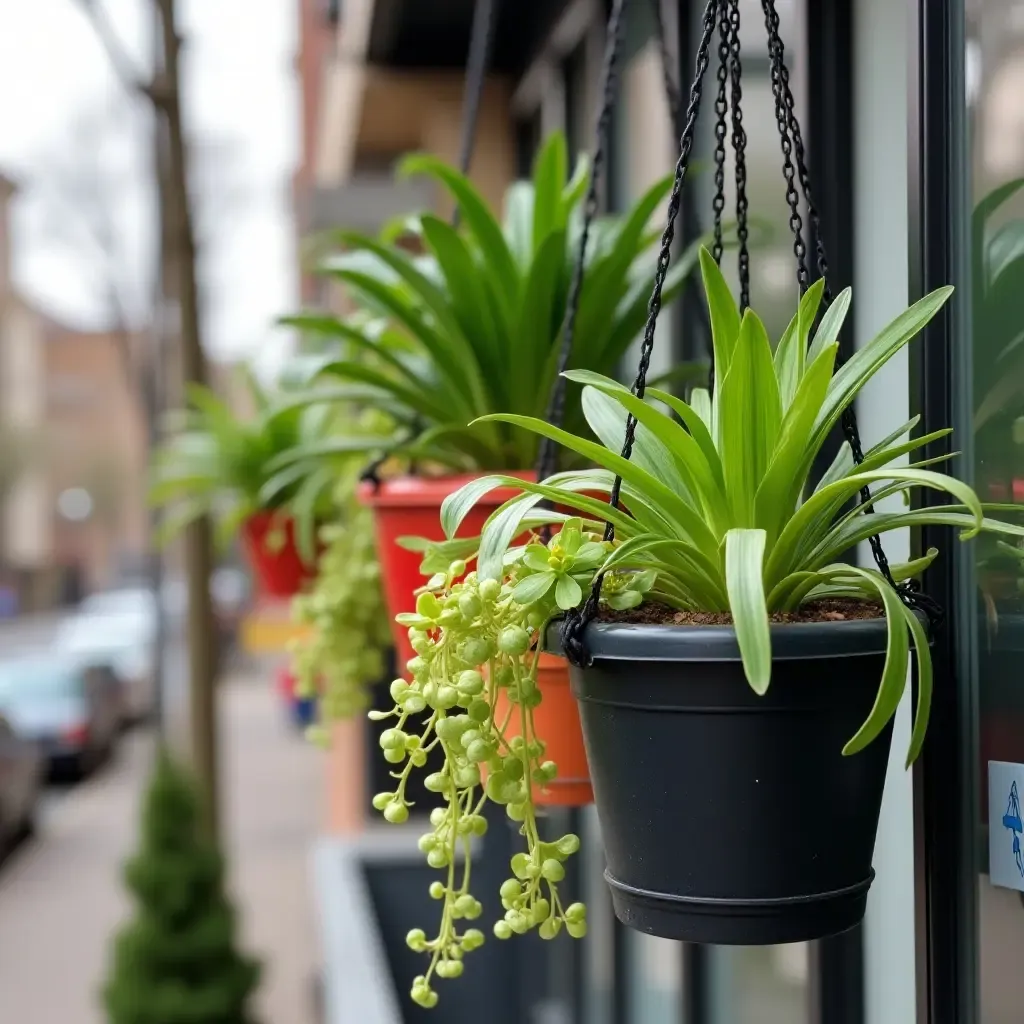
(343, 654)
(476, 643)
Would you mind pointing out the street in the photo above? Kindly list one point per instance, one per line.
(61, 897)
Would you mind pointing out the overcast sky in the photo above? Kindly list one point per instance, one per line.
(68, 132)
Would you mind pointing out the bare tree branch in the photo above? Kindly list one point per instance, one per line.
(132, 78)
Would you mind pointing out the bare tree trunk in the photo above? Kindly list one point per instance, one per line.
(179, 291)
(181, 252)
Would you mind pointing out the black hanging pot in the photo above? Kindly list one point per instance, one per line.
(728, 817)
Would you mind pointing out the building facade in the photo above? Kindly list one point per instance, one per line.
(913, 115)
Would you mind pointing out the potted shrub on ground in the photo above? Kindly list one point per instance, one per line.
(732, 810)
(177, 959)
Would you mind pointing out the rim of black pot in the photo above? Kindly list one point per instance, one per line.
(791, 641)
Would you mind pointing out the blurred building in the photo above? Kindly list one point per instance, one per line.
(73, 469)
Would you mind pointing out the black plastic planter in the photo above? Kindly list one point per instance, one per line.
(728, 817)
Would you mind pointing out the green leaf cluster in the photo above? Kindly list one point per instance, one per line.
(473, 324)
(176, 961)
(349, 631)
(228, 467)
(716, 501)
(472, 690)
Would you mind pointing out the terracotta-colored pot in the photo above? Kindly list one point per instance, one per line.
(556, 721)
(279, 570)
(410, 506)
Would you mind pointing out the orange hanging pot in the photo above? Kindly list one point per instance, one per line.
(410, 506)
(556, 721)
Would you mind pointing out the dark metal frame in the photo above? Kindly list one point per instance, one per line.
(945, 778)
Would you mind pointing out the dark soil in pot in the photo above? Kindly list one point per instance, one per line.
(729, 817)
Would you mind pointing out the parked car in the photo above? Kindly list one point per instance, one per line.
(70, 707)
(21, 777)
(122, 637)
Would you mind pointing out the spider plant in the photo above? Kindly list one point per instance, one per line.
(473, 324)
(220, 464)
(716, 497)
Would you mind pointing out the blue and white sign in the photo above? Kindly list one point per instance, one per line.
(1005, 824)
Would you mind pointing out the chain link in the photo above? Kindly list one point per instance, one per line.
(675, 101)
(547, 451)
(576, 621)
(480, 42)
(789, 127)
(739, 145)
(721, 127)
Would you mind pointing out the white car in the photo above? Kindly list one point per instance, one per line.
(123, 637)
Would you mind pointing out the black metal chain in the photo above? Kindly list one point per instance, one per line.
(789, 127)
(721, 128)
(672, 95)
(480, 44)
(576, 621)
(739, 146)
(547, 451)
(481, 41)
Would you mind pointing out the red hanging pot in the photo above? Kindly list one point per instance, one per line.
(410, 506)
(556, 721)
(270, 547)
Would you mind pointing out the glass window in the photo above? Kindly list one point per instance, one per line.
(643, 152)
(995, 102)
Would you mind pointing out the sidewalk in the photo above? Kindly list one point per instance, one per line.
(61, 897)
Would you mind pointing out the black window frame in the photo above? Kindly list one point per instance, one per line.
(945, 778)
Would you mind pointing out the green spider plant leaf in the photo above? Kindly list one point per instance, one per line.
(478, 220)
(662, 498)
(749, 417)
(791, 352)
(925, 684)
(445, 354)
(550, 171)
(779, 489)
(686, 461)
(897, 657)
(725, 316)
(744, 565)
(831, 324)
(867, 361)
(576, 188)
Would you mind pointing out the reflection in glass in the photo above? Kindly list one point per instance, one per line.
(995, 98)
(759, 984)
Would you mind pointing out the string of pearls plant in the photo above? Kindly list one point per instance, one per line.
(343, 652)
(473, 691)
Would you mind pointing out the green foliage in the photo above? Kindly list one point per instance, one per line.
(176, 962)
(345, 611)
(226, 467)
(474, 325)
(716, 498)
(998, 283)
(473, 692)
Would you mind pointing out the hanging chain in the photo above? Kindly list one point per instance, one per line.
(547, 451)
(792, 142)
(481, 41)
(721, 127)
(675, 101)
(576, 621)
(739, 145)
(796, 224)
